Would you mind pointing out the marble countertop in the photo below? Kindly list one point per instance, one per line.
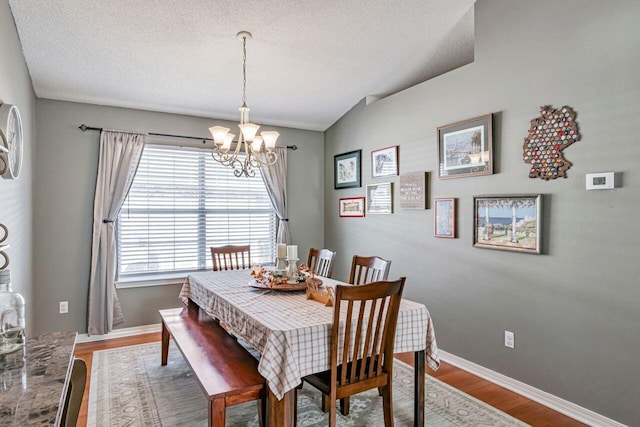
(32, 380)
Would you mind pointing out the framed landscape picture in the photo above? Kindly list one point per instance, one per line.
(380, 198)
(384, 162)
(445, 218)
(347, 169)
(466, 148)
(351, 207)
(510, 223)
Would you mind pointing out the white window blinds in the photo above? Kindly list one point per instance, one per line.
(180, 204)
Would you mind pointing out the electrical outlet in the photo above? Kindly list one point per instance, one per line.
(509, 339)
(64, 307)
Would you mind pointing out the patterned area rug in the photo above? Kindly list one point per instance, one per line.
(129, 387)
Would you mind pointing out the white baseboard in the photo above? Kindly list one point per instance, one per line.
(121, 333)
(556, 403)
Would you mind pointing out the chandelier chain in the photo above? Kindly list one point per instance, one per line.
(244, 71)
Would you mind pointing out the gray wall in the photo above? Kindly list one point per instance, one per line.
(574, 309)
(16, 195)
(66, 164)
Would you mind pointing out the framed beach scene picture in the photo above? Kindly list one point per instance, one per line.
(509, 223)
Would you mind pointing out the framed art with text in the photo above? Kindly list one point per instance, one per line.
(384, 162)
(351, 207)
(380, 198)
(466, 148)
(510, 223)
(347, 169)
(445, 218)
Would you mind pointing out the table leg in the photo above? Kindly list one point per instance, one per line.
(280, 412)
(418, 403)
(165, 344)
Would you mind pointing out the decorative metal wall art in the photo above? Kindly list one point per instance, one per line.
(549, 134)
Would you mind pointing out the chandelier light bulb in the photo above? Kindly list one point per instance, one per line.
(256, 144)
(249, 131)
(219, 133)
(226, 145)
(270, 138)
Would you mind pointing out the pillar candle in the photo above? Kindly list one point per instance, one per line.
(292, 252)
(282, 250)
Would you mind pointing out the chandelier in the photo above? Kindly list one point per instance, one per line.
(248, 142)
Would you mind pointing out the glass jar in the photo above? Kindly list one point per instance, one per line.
(12, 322)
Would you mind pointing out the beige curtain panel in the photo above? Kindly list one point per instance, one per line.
(275, 179)
(120, 154)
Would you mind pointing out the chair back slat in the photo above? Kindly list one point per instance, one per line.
(355, 354)
(231, 257)
(320, 261)
(368, 269)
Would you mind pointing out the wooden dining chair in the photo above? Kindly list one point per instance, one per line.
(367, 269)
(231, 257)
(320, 261)
(365, 361)
(75, 390)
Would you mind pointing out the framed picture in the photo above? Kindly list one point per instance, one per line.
(413, 190)
(465, 148)
(380, 198)
(351, 207)
(510, 223)
(347, 169)
(384, 162)
(445, 218)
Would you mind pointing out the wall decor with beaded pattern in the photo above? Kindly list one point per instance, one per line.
(549, 134)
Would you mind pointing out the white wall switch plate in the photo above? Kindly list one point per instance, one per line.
(64, 307)
(600, 181)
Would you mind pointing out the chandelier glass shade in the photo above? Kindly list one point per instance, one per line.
(251, 151)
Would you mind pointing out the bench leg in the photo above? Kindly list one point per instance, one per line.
(217, 412)
(165, 344)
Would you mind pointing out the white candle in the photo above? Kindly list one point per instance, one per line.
(282, 250)
(292, 252)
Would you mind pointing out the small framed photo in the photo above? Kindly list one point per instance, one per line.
(347, 169)
(384, 162)
(445, 218)
(380, 198)
(510, 223)
(351, 207)
(466, 148)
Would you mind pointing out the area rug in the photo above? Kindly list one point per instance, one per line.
(130, 388)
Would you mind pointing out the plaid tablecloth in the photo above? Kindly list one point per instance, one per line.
(291, 332)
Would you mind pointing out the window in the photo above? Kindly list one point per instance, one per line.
(181, 203)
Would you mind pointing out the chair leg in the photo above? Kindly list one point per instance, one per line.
(325, 403)
(387, 406)
(332, 412)
(344, 406)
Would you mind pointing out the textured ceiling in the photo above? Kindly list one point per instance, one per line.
(308, 63)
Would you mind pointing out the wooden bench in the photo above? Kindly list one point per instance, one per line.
(227, 372)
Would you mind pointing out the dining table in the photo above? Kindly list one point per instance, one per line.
(293, 333)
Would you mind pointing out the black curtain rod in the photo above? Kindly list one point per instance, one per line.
(85, 128)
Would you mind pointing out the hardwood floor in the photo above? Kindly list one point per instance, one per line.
(505, 400)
